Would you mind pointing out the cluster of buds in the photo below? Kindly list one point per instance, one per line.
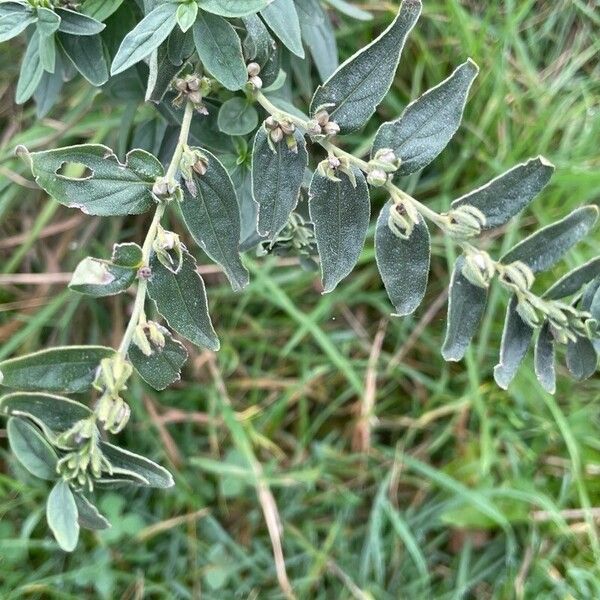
(148, 336)
(332, 165)
(278, 130)
(517, 276)
(381, 166)
(169, 249)
(402, 218)
(464, 222)
(165, 189)
(192, 88)
(478, 268)
(254, 81)
(321, 125)
(193, 162)
(111, 410)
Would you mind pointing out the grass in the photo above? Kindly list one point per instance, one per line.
(395, 474)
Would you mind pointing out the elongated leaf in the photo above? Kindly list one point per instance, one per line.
(47, 92)
(99, 278)
(350, 10)
(429, 123)
(14, 19)
(66, 369)
(466, 305)
(87, 56)
(161, 73)
(573, 281)
(276, 180)
(31, 449)
(181, 299)
(505, 196)
(212, 215)
(157, 476)
(547, 246)
(403, 264)
(111, 188)
(88, 515)
(354, 91)
(515, 342)
(77, 23)
(147, 35)
(544, 359)
(100, 9)
(340, 213)
(581, 358)
(31, 71)
(258, 43)
(282, 18)
(163, 366)
(237, 117)
(220, 50)
(61, 513)
(233, 8)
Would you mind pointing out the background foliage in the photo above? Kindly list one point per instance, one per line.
(457, 487)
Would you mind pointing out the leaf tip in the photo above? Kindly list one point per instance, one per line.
(501, 377)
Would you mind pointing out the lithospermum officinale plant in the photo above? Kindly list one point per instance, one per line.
(214, 69)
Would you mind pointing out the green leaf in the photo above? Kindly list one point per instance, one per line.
(574, 280)
(403, 264)
(545, 247)
(181, 299)
(147, 35)
(505, 196)
(100, 9)
(276, 180)
(65, 369)
(61, 513)
(47, 92)
(282, 18)
(350, 10)
(111, 188)
(47, 25)
(186, 15)
(76, 23)
(582, 359)
(88, 515)
(258, 43)
(340, 212)
(99, 278)
(354, 91)
(211, 213)
(466, 305)
(237, 117)
(220, 50)
(233, 8)
(161, 73)
(544, 359)
(163, 366)
(121, 459)
(515, 342)
(429, 123)
(31, 449)
(31, 71)
(14, 19)
(87, 56)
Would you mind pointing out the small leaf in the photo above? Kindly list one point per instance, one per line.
(66, 369)
(31, 449)
(186, 15)
(128, 255)
(88, 515)
(110, 189)
(574, 280)
(581, 358)
(276, 180)
(61, 513)
(515, 342)
(77, 23)
(100, 278)
(181, 299)
(505, 196)
(237, 117)
(233, 8)
(147, 35)
(544, 359)
(163, 366)
(87, 56)
(282, 18)
(31, 71)
(220, 50)
(466, 305)
(14, 19)
(354, 91)
(403, 264)
(429, 123)
(155, 475)
(545, 247)
(212, 215)
(100, 9)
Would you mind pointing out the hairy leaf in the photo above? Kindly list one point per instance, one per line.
(31, 71)
(505, 196)
(403, 264)
(111, 188)
(186, 15)
(99, 278)
(282, 18)
(14, 19)
(64, 369)
(48, 90)
(87, 55)
(581, 358)
(61, 514)
(544, 359)
(237, 117)
(88, 515)
(354, 91)
(77, 23)
(233, 8)
(350, 10)
(429, 123)
(100, 9)
(574, 280)
(31, 449)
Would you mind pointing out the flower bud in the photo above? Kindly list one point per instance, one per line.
(193, 83)
(276, 135)
(528, 312)
(256, 82)
(287, 127)
(478, 268)
(322, 117)
(377, 177)
(253, 69)
(518, 276)
(271, 122)
(465, 221)
(168, 249)
(402, 219)
(313, 128)
(386, 160)
(331, 128)
(144, 273)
